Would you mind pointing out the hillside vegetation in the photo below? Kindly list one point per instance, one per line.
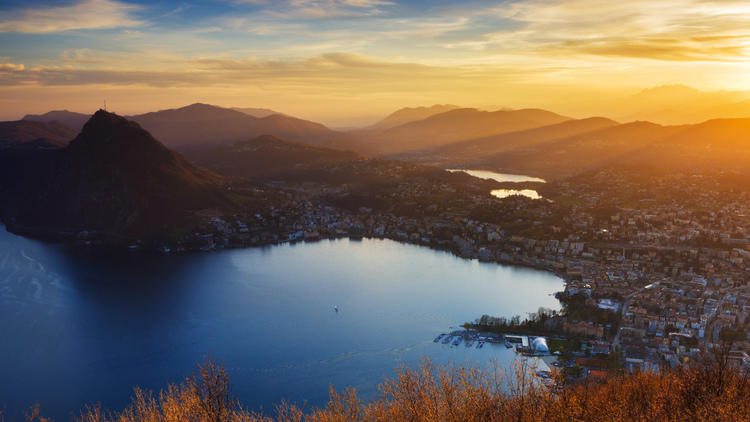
(710, 392)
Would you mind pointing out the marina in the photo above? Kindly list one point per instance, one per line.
(523, 344)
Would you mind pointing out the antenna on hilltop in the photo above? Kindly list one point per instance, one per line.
(105, 104)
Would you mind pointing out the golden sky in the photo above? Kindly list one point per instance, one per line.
(346, 62)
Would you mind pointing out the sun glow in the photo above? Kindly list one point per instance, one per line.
(363, 59)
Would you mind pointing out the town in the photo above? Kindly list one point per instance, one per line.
(665, 263)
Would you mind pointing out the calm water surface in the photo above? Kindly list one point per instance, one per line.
(504, 177)
(77, 329)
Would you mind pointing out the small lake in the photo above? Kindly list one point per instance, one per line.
(500, 177)
(504, 177)
(80, 329)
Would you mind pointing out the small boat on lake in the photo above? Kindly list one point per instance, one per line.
(480, 345)
(447, 339)
(438, 338)
(457, 341)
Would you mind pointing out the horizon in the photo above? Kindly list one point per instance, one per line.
(364, 122)
(348, 63)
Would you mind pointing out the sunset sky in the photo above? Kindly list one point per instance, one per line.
(349, 61)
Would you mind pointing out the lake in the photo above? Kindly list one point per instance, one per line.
(505, 177)
(78, 328)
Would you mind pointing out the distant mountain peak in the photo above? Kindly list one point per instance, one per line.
(410, 114)
(671, 89)
(201, 125)
(69, 118)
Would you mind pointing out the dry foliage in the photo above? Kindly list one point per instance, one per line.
(709, 392)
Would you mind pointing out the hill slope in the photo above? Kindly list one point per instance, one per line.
(454, 126)
(267, 156)
(578, 153)
(720, 144)
(33, 133)
(411, 114)
(206, 126)
(460, 153)
(256, 112)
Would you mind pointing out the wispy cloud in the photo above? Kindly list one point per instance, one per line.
(85, 14)
(670, 30)
(339, 71)
(321, 9)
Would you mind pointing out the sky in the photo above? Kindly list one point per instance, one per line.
(348, 62)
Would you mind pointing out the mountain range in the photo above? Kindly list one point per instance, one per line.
(451, 126)
(114, 178)
(529, 141)
(69, 118)
(200, 126)
(679, 104)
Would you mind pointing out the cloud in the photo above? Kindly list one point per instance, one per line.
(335, 71)
(669, 30)
(321, 9)
(11, 67)
(85, 14)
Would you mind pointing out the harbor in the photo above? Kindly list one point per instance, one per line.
(533, 349)
(523, 344)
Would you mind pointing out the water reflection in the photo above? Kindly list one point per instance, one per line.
(504, 193)
(500, 177)
(505, 177)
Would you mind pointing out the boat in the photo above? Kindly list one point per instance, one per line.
(438, 338)
(480, 345)
(457, 341)
(507, 344)
(447, 339)
(469, 343)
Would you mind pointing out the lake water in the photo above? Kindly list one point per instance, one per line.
(504, 177)
(77, 328)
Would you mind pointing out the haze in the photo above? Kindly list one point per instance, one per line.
(349, 62)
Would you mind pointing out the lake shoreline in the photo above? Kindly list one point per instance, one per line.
(112, 249)
(253, 308)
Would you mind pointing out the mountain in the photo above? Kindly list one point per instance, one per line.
(679, 104)
(267, 156)
(453, 126)
(731, 134)
(460, 153)
(714, 145)
(34, 133)
(205, 126)
(255, 112)
(114, 178)
(69, 118)
(578, 153)
(411, 114)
